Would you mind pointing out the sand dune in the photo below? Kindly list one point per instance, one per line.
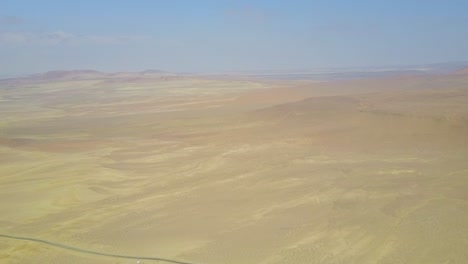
(212, 170)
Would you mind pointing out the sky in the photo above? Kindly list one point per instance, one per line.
(221, 36)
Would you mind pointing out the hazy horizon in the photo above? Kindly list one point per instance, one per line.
(223, 36)
(234, 132)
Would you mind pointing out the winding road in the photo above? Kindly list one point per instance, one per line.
(90, 252)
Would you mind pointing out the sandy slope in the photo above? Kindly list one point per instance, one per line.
(224, 171)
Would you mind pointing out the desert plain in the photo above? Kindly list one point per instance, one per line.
(224, 170)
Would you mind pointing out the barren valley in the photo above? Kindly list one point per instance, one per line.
(218, 170)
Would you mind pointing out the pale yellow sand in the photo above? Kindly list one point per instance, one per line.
(214, 171)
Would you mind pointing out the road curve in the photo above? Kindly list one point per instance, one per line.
(90, 252)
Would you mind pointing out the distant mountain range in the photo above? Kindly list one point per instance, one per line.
(463, 71)
(90, 74)
(315, 74)
(357, 72)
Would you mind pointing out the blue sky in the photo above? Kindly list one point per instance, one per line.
(217, 36)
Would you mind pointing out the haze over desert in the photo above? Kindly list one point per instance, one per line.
(234, 132)
(217, 170)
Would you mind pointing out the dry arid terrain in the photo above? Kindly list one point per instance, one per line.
(224, 170)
